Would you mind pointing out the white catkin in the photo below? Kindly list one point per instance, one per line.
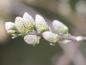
(50, 36)
(59, 27)
(9, 26)
(32, 39)
(25, 24)
(40, 23)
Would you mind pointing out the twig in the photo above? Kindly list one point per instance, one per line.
(71, 51)
(73, 38)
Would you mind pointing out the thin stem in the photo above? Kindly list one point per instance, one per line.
(74, 38)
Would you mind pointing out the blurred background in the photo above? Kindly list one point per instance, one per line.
(17, 52)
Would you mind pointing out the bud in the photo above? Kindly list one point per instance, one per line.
(19, 23)
(10, 27)
(59, 27)
(29, 22)
(50, 36)
(28, 17)
(41, 24)
(25, 24)
(32, 39)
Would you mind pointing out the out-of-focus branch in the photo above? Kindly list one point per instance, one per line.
(71, 51)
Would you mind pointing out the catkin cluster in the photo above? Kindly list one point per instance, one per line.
(32, 30)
